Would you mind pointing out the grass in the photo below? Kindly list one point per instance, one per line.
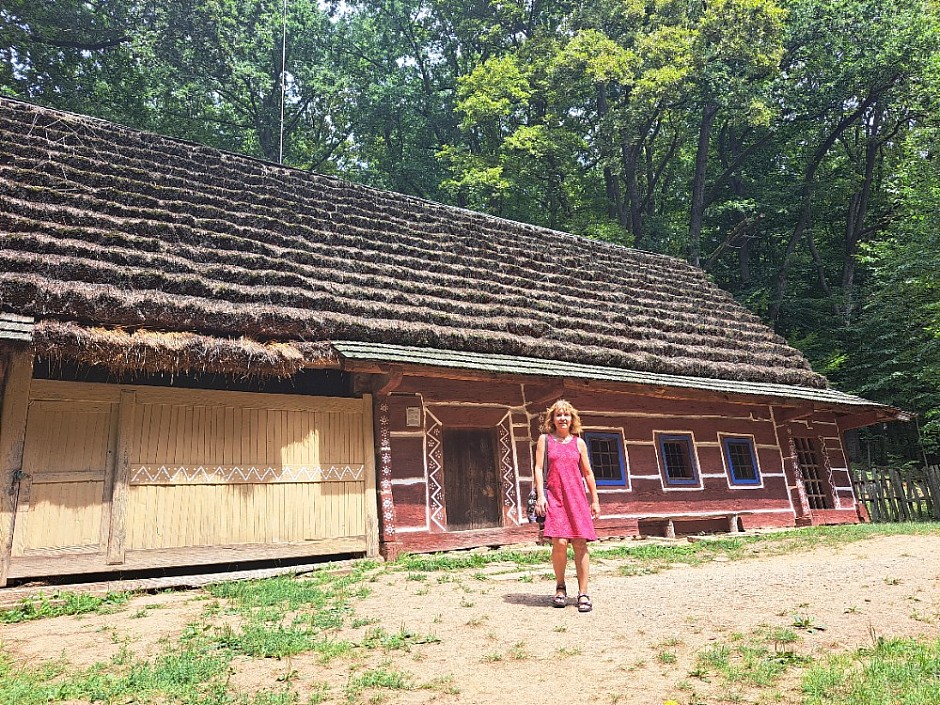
(58, 604)
(892, 671)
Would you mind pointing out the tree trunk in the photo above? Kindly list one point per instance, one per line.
(855, 222)
(615, 205)
(806, 202)
(697, 212)
(630, 153)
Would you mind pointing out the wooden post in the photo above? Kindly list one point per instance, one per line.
(119, 484)
(932, 476)
(670, 529)
(19, 375)
(370, 499)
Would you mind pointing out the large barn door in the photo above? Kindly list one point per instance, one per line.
(142, 477)
(471, 480)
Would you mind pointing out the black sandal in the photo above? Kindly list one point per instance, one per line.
(561, 596)
(584, 603)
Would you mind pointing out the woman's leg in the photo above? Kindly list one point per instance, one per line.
(559, 559)
(582, 564)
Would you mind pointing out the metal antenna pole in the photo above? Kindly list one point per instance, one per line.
(280, 152)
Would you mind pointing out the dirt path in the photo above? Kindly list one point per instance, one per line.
(497, 640)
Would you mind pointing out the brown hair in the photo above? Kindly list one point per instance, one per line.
(548, 422)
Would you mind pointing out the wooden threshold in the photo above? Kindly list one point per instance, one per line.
(10, 597)
(50, 565)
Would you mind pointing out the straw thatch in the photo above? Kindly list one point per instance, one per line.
(153, 351)
(108, 228)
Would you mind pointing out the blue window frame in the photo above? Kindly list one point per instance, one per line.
(675, 450)
(608, 461)
(741, 460)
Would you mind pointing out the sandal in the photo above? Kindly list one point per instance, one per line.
(561, 596)
(584, 603)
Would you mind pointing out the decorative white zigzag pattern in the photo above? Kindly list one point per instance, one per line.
(505, 463)
(836, 502)
(385, 485)
(182, 474)
(435, 465)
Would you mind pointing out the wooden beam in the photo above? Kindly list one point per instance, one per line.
(379, 381)
(864, 418)
(19, 374)
(119, 483)
(370, 498)
(800, 412)
(555, 390)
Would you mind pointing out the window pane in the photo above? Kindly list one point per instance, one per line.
(678, 460)
(741, 460)
(604, 450)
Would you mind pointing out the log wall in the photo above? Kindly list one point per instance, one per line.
(420, 409)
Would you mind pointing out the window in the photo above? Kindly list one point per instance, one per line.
(741, 461)
(678, 459)
(807, 456)
(605, 451)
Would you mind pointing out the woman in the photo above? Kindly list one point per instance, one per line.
(561, 499)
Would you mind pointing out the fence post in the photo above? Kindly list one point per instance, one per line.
(932, 482)
(897, 485)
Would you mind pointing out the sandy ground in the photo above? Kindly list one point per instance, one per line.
(496, 639)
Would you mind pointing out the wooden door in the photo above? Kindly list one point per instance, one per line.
(471, 479)
(64, 495)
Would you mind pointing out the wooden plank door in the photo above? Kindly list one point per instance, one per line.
(471, 479)
(66, 456)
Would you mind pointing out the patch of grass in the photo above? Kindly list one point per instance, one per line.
(58, 604)
(461, 561)
(265, 641)
(403, 639)
(380, 678)
(903, 671)
(193, 672)
(807, 623)
(518, 651)
(757, 661)
(442, 684)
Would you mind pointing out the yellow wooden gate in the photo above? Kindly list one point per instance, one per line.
(137, 476)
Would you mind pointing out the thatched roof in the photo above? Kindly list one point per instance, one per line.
(110, 234)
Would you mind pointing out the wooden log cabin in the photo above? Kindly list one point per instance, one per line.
(209, 359)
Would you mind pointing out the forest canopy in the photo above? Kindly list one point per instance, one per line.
(787, 147)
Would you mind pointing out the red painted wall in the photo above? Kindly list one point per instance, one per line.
(645, 501)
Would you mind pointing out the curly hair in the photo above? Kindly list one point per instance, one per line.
(548, 421)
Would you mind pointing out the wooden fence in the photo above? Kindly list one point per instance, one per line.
(890, 494)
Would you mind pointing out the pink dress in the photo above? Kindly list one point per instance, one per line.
(569, 512)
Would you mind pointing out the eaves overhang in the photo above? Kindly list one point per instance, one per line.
(499, 364)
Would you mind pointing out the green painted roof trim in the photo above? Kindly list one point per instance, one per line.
(508, 364)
